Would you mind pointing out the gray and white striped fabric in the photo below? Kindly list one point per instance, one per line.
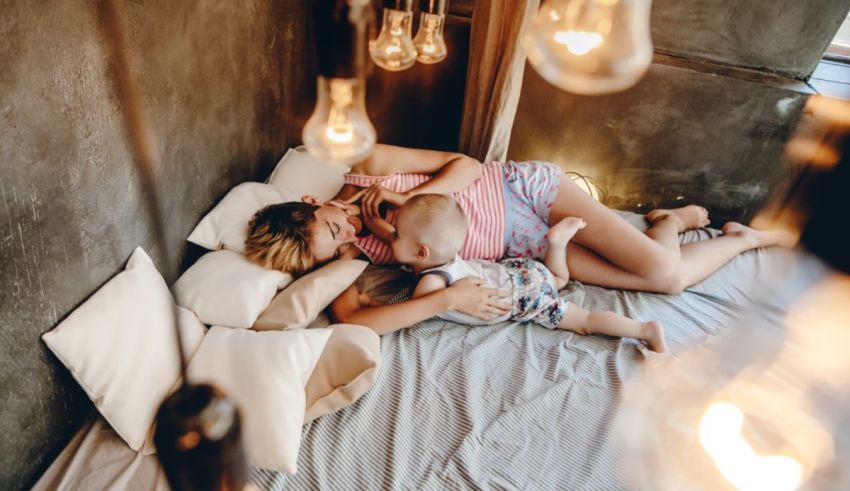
(507, 406)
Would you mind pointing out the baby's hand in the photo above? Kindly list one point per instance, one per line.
(381, 228)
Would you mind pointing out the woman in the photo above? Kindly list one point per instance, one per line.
(509, 207)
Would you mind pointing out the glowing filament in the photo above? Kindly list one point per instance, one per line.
(579, 42)
(720, 435)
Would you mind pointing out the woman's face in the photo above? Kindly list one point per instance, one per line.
(334, 231)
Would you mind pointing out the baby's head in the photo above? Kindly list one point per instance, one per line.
(430, 230)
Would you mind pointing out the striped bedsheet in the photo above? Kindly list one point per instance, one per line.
(508, 406)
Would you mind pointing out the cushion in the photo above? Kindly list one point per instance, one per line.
(305, 298)
(298, 173)
(265, 373)
(120, 346)
(346, 369)
(223, 288)
(226, 226)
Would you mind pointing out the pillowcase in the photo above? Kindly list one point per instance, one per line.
(304, 299)
(298, 173)
(224, 288)
(346, 369)
(226, 226)
(265, 373)
(119, 345)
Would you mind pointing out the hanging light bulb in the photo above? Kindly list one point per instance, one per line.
(393, 50)
(590, 47)
(339, 129)
(429, 42)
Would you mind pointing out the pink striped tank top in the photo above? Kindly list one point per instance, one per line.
(483, 202)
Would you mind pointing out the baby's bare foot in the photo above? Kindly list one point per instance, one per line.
(687, 217)
(759, 238)
(653, 334)
(561, 233)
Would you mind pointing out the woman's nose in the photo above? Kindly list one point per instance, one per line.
(347, 233)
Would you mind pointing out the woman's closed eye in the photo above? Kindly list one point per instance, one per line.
(334, 228)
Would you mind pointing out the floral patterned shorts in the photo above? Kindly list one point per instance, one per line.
(536, 297)
(530, 191)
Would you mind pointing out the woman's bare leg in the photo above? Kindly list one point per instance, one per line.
(653, 255)
(699, 260)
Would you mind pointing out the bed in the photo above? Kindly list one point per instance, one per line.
(507, 406)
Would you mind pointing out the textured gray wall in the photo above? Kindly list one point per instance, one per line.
(707, 124)
(783, 36)
(70, 209)
(679, 136)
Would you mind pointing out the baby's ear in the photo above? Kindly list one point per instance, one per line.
(311, 200)
(423, 252)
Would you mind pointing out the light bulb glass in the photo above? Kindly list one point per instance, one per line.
(393, 50)
(429, 41)
(590, 46)
(339, 129)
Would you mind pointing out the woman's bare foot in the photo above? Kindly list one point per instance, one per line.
(653, 334)
(561, 233)
(687, 217)
(759, 238)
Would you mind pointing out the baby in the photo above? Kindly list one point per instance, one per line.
(430, 230)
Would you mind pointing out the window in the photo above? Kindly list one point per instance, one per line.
(840, 47)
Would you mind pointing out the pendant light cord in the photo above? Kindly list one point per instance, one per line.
(141, 136)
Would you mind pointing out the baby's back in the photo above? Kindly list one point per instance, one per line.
(524, 278)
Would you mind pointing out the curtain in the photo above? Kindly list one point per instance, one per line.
(494, 76)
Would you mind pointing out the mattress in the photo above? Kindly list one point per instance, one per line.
(507, 406)
(512, 406)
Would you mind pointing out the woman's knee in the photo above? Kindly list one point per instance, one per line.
(671, 285)
(660, 265)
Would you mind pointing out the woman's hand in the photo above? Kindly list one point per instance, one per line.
(375, 195)
(347, 206)
(469, 296)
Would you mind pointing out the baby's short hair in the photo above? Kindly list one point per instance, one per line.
(440, 224)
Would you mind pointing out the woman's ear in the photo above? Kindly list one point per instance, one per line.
(311, 200)
(423, 252)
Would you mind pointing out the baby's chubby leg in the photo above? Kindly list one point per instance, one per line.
(584, 321)
(557, 238)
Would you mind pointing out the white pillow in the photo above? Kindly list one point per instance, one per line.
(304, 300)
(265, 373)
(120, 346)
(226, 226)
(298, 173)
(224, 288)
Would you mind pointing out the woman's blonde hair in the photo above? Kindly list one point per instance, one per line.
(279, 237)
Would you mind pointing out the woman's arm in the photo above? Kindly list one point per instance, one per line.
(452, 171)
(346, 309)
(467, 296)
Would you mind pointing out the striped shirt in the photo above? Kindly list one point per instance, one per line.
(483, 202)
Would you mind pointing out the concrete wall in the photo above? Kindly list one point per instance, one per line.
(70, 209)
(707, 124)
(227, 86)
(680, 136)
(787, 37)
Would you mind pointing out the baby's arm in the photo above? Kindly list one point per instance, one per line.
(429, 284)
